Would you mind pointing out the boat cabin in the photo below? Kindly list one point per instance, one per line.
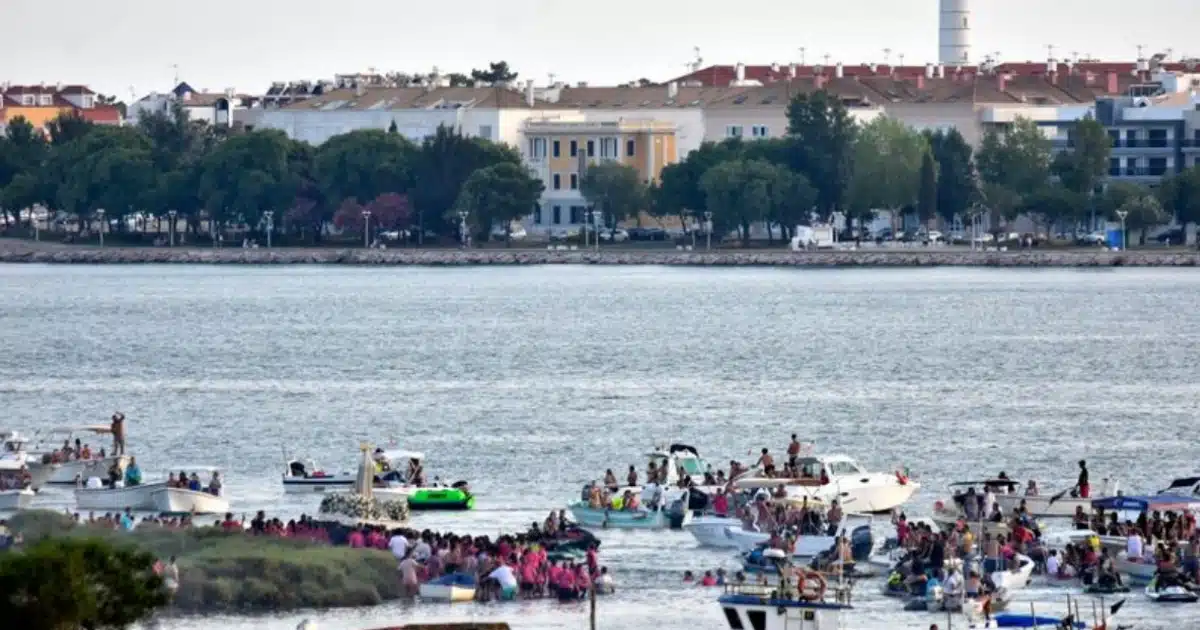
(813, 606)
(14, 475)
(1187, 486)
(834, 465)
(676, 458)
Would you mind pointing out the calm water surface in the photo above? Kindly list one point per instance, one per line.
(530, 381)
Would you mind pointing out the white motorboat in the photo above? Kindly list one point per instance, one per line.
(1183, 486)
(1136, 569)
(306, 477)
(13, 500)
(818, 607)
(851, 484)
(40, 452)
(14, 489)
(1050, 504)
(640, 518)
(99, 497)
(710, 531)
(184, 501)
(455, 587)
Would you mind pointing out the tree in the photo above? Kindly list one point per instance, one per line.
(822, 145)
(496, 72)
(247, 175)
(66, 127)
(442, 165)
(927, 195)
(956, 180)
(365, 164)
(22, 156)
(1142, 209)
(1053, 204)
(69, 583)
(1180, 196)
(679, 192)
(390, 211)
(108, 168)
(741, 192)
(793, 198)
(887, 168)
(1012, 165)
(497, 195)
(392, 128)
(615, 189)
(1084, 167)
(457, 79)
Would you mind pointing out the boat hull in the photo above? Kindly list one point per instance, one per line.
(710, 531)
(1142, 572)
(132, 497)
(1040, 506)
(13, 500)
(447, 593)
(877, 495)
(316, 485)
(780, 614)
(182, 501)
(618, 519)
(442, 499)
(66, 472)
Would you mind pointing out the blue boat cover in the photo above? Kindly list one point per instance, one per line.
(455, 579)
(1145, 503)
(1012, 620)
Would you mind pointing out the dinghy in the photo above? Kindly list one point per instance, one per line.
(455, 587)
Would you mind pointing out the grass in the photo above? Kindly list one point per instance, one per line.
(234, 572)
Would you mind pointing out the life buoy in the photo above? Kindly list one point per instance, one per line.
(900, 476)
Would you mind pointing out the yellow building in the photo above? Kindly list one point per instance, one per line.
(559, 151)
(41, 104)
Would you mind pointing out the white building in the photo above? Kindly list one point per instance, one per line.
(214, 108)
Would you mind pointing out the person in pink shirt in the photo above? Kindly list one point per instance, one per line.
(356, 539)
(709, 579)
(566, 583)
(592, 564)
(582, 581)
(721, 502)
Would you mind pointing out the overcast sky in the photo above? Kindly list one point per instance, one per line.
(119, 45)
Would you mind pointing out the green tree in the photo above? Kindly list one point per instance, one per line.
(956, 178)
(1012, 165)
(365, 164)
(742, 192)
(497, 195)
(442, 165)
(887, 165)
(678, 192)
(68, 127)
(496, 72)
(1142, 208)
(108, 168)
(927, 195)
(457, 79)
(793, 199)
(22, 155)
(1180, 196)
(68, 583)
(247, 175)
(1053, 204)
(1084, 168)
(615, 189)
(822, 147)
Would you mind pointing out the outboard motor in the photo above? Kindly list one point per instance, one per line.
(861, 543)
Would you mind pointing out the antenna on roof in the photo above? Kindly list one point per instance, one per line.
(550, 76)
(699, 61)
(901, 56)
(1049, 51)
(175, 66)
(803, 50)
(1140, 48)
(1170, 54)
(887, 56)
(826, 58)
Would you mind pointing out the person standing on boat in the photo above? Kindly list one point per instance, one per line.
(793, 451)
(767, 463)
(1082, 486)
(118, 433)
(631, 478)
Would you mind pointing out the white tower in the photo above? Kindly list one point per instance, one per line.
(954, 33)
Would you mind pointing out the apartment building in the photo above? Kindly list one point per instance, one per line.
(214, 108)
(40, 104)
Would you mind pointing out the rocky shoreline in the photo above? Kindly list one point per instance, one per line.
(25, 252)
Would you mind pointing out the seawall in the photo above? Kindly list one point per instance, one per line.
(25, 252)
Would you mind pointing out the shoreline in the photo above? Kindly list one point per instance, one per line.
(18, 252)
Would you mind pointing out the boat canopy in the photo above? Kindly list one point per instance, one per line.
(986, 482)
(1155, 503)
(395, 456)
(100, 429)
(1183, 482)
(683, 449)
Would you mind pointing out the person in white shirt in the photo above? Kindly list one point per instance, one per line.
(1134, 545)
(1052, 564)
(422, 551)
(953, 586)
(398, 544)
(507, 581)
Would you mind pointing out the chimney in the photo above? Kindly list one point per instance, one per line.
(839, 71)
(774, 68)
(941, 71)
(672, 90)
(740, 71)
(529, 98)
(819, 81)
(928, 71)
(792, 71)
(1002, 82)
(920, 82)
(1112, 87)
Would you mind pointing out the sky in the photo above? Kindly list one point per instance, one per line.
(138, 46)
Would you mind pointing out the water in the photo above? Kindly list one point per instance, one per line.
(530, 381)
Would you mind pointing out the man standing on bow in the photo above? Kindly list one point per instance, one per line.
(118, 433)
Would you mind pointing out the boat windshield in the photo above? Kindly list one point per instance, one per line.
(693, 467)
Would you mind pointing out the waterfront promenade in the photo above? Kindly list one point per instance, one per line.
(19, 251)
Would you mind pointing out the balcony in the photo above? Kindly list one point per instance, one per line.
(1190, 145)
(1138, 145)
(1139, 173)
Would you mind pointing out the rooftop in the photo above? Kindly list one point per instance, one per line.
(414, 98)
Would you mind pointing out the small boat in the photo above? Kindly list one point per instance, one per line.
(1017, 576)
(1049, 505)
(394, 483)
(16, 494)
(604, 518)
(851, 484)
(1021, 620)
(306, 477)
(455, 587)
(710, 531)
(807, 547)
(1170, 594)
(71, 471)
(184, 501)
(99, 497)
(1136, 569)
(1179, 503)
(455, 498)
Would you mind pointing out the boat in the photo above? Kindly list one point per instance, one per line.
(783, 607)
(15, 493)
(1136, 569)
(1024, 620)
(455, 587)
(71, 471)
(184, 501)
(1017, 577)
(851, 484)
(1149, 503)
(1183, 486)
(393, 483)
(604, 518)
(456, 498)
(306, 477)
(1170, 595)
(1051, 505)
(709, 531)
(807, 547)
(117, 498)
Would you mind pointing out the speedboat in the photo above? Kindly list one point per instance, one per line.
(851, 484)
(305, 477)
(815, 606)
(395, 482)
(807, 547)
(71, 471)
(455, 587)
(96, 496)
(15, 494)
(639, 518)
(175, 500)
(1136, 569)
(1056, 505)
(1183, 486)
(710, 531)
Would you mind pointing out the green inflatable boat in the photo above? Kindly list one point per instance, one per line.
(441, 499)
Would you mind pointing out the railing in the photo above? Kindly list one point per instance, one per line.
(1137, 172)
(835, 593)
(1139, 143)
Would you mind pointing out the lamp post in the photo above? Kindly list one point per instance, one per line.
(269, 215)
(693, 230)
(366, 229)
(596, 229)
(1124, 239)
(462, 228)
(171, 231)
(100, 213)
(707, 229)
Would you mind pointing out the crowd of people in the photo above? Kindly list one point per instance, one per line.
(78, 451)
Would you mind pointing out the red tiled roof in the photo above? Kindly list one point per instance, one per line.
(101, 115)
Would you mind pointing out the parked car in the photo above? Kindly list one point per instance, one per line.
(617, 235)
(498, 233)
(646, 234)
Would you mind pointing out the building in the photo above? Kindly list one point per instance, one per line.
(214, 108)
(560, 149)
(954, 32)
(757, 113)
(40, 104)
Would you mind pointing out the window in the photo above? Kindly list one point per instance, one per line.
(46, 99)
(574, 181)
(630, 148)
(1157, 138)
(733, 131)
(759, 131)
(758, 619)
(609, 148)
(1131, 138)
(577, 214)
(557, 215)
(557, 182)
(574, 148)
(88, 101)
(28, 99)
(1115, 137)
(485, 131)
(1158, 166)
(557, 152)
(591, 145)
(537, 214)
(537, 148)
(1114, 166)
(734, 619)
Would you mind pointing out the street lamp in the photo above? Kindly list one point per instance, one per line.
(707, 229)
(366, 229)
(172, 213)
(596, 229)
(270, 217)
(1124, 239)
(100, 213)
(462, 228)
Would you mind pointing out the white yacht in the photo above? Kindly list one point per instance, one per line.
(176, 500)
(1053, 504)
(852, 485)
(14, 494)
(39, 454)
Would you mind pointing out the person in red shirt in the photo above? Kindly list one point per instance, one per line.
(356, 539)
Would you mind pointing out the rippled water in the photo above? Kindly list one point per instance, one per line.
(530, 381)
